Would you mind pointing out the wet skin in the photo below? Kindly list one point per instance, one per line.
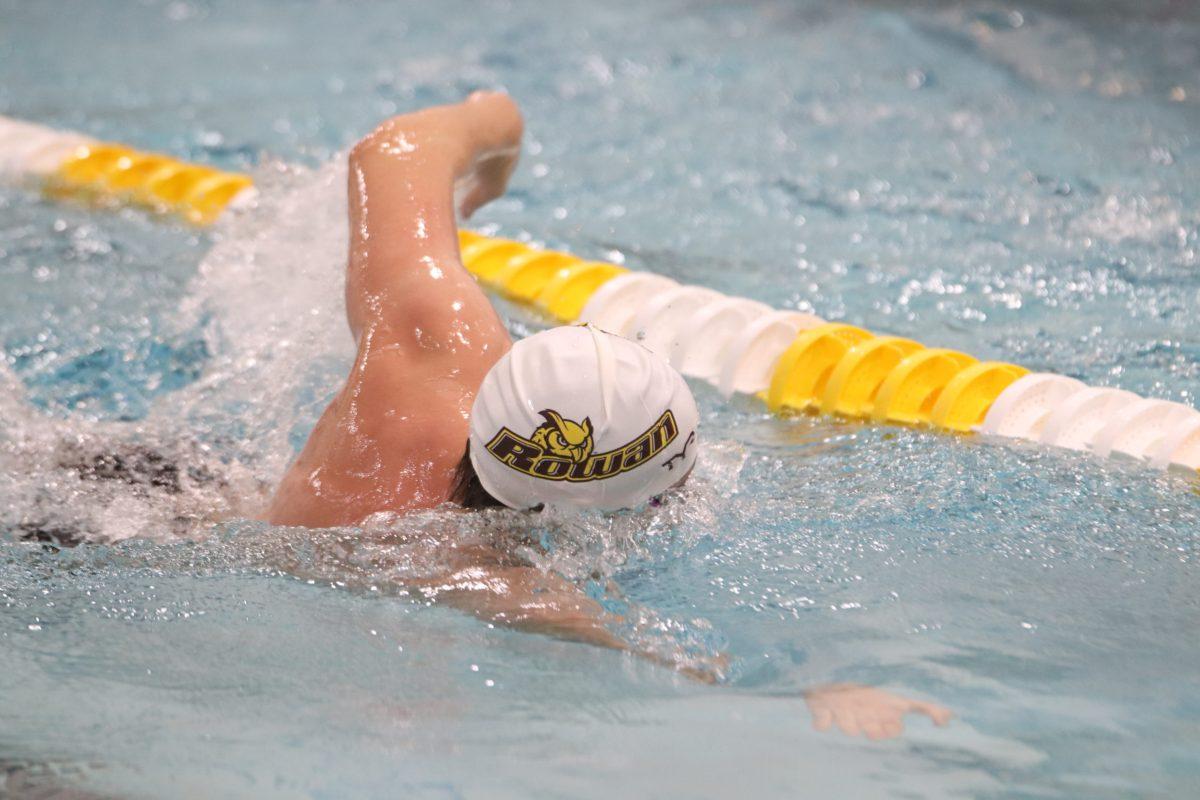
(427, 335)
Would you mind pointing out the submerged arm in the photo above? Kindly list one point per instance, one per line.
(501, 589)
(529, 599)
(496, 590)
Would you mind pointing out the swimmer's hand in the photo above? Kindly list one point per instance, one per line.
(862, 709)
(708, 669)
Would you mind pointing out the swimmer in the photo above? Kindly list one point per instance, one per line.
(442, 407)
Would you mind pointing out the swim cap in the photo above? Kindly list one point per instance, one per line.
(575, 416)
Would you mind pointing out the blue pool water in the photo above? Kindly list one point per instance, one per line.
(1016, 180)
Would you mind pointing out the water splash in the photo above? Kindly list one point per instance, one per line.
(267, 302)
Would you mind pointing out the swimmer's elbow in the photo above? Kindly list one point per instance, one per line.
(366, 151)
(422, 333)
(396, 139)
(373, 147)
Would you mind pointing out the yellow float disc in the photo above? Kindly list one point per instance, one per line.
(909, 392)
(568, 291)
(89, 164)
(967, 397)
(170, 189)
(208, 197)
(855, 380)
(164, 171)
(131, 172)
(486, 257)
(802, 371)
(466, 237)
(525, 276)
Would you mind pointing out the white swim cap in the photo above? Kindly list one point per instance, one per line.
(575, 416)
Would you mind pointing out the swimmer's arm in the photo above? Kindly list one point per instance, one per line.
(528, 599)
(497, 589)
(404, 271)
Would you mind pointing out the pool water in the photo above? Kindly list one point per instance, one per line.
(1016, 180)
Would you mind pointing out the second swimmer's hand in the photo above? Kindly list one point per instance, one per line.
(863, 710)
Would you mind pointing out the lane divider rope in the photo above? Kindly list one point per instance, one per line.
(793, 361)
(68, 164)
(799, 363)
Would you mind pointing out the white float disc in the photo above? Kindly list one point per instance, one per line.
(1180, 445)
(1021, 410)
(17, 145)
(50, 156)
(1077, 419)
(616, 303)
(1135, 429)
(657, 323)
(704, 338)
(751, 355)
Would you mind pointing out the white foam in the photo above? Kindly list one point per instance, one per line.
(268, 297)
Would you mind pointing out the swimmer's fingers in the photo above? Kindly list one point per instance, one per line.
(874, 729)
(847, 722)
(940, 715)
(822, 719)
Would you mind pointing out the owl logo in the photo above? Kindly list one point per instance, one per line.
(563, 437)
(561, 449)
